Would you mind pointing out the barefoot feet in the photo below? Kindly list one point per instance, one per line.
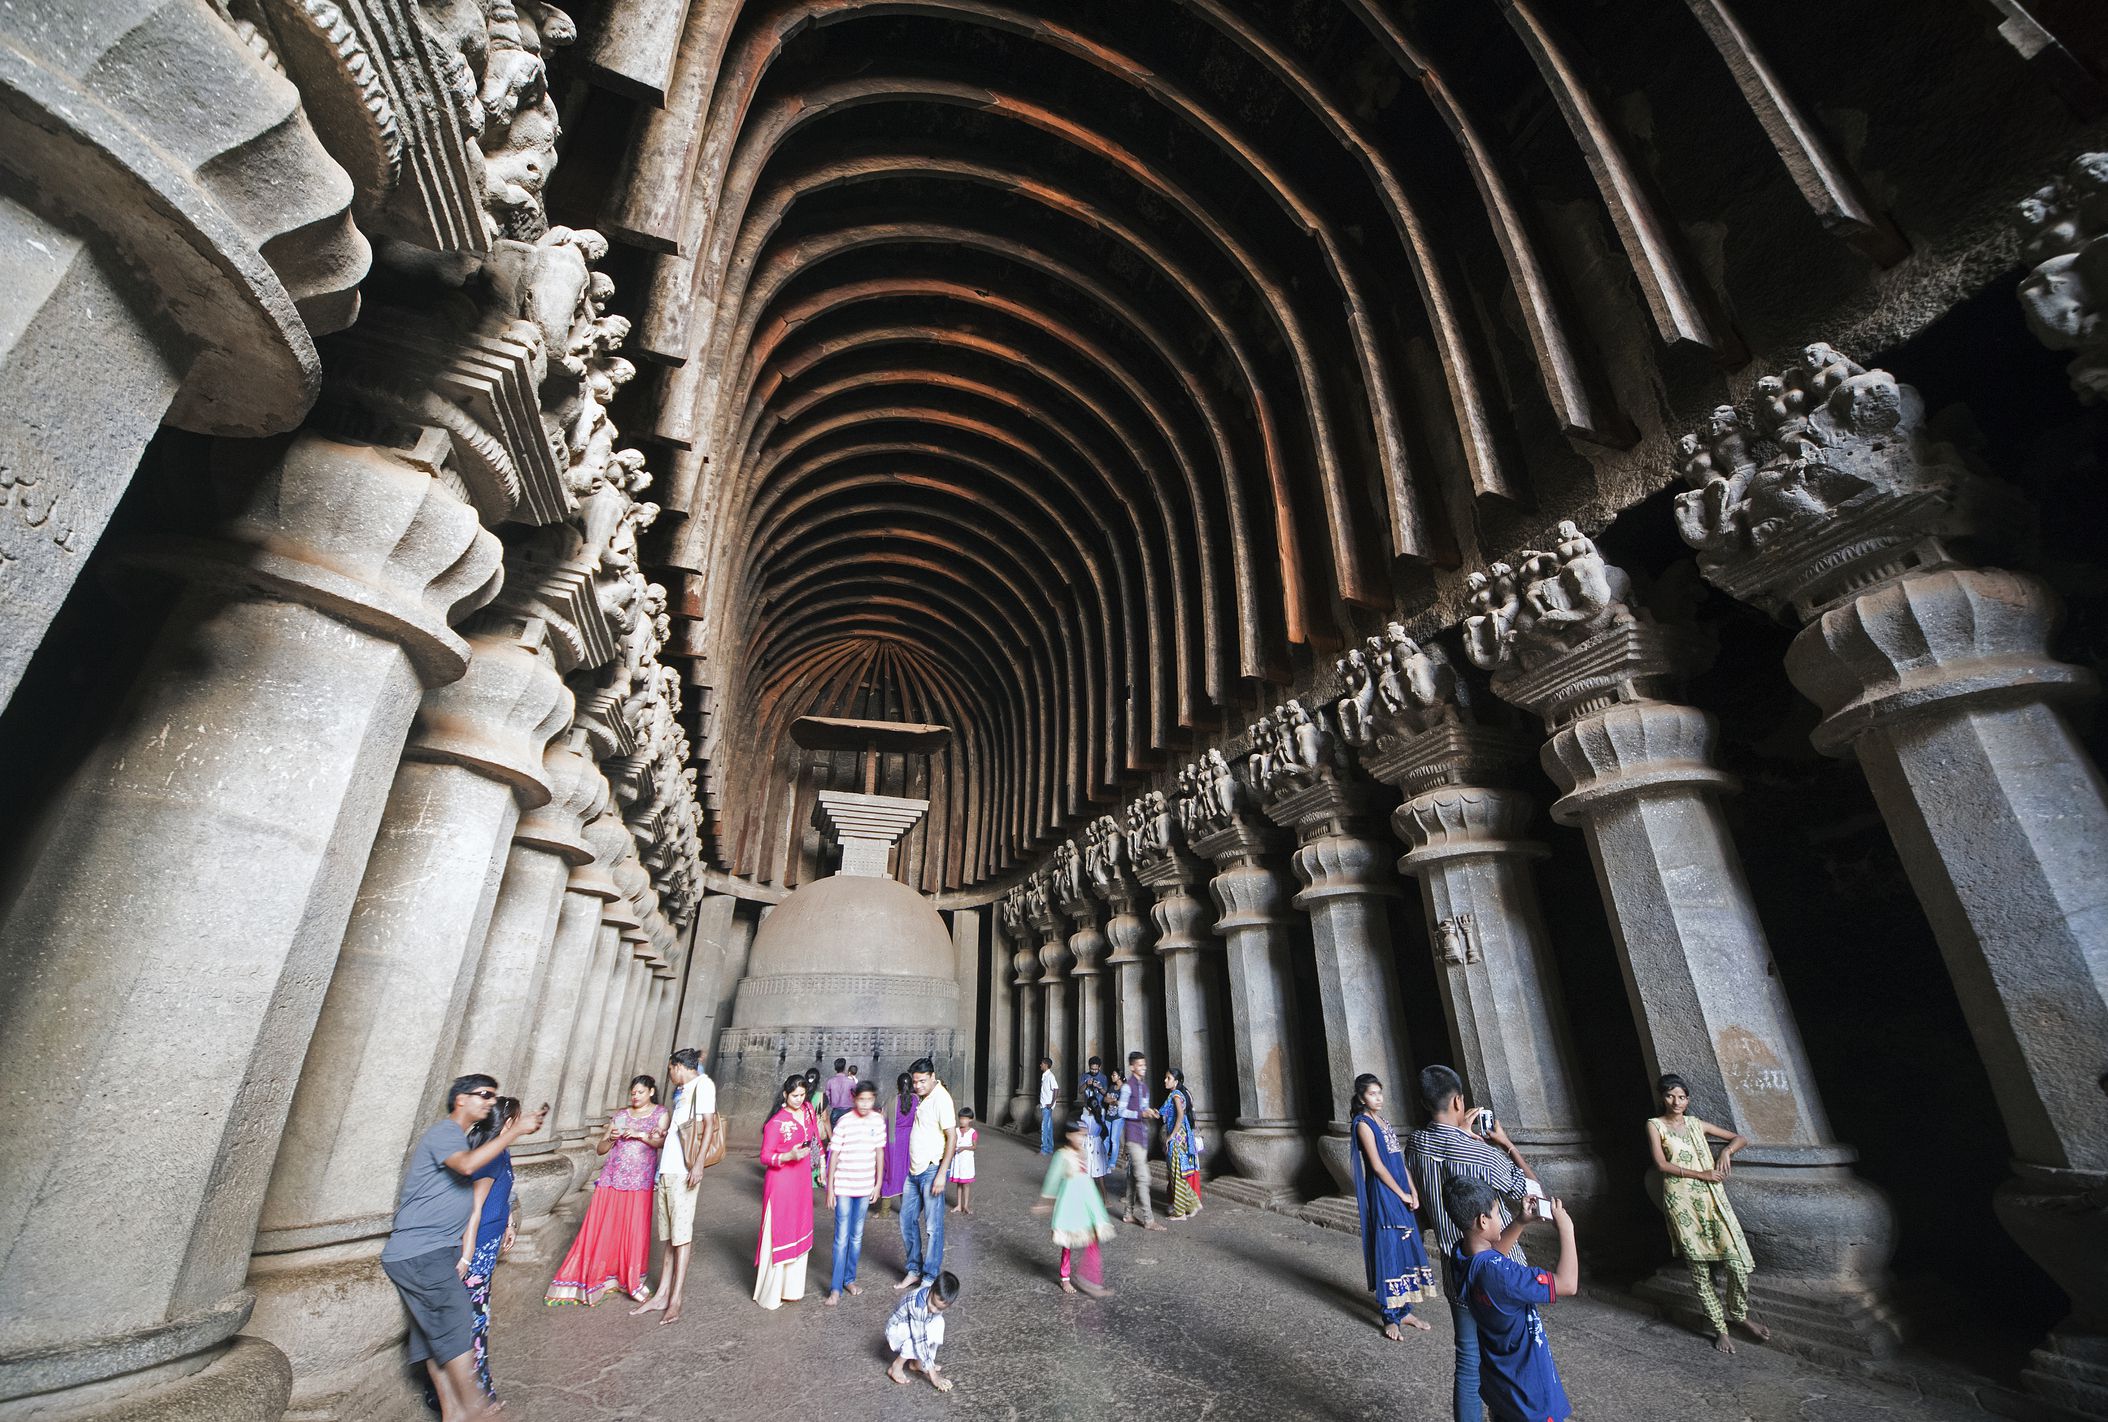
(1754, 1329)
(1723, 1344)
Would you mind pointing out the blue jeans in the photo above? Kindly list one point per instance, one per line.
(1468, 1406)
(914, 1204)
(848, 1240)
(1046, 1130)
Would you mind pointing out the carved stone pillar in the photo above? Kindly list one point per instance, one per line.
(1135, 1008)
(384, 1046)
(542, 1172)
(547, 844)
(199, 271)
(315, 614)
(1348, 883)
(1087, 945)
(1936, 677)
(1193, 1007)
(581, 1054)
(1024, 1095)
(1002, 1020)
(622, 1032)
(1470, 850)
(1054, 960)
(1639, 780)
(1270, 1147)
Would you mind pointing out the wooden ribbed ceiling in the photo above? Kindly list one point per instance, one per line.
(1064, 372)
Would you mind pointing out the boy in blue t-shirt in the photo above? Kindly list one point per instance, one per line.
(1517, 1379)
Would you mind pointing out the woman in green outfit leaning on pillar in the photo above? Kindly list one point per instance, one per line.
(1702, 1224)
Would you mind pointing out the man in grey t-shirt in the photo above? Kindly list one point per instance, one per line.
(423, 1255)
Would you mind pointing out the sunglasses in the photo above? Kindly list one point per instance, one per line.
(483, 1095)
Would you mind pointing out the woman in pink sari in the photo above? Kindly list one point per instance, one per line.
(613, 1248)
(788, 1142)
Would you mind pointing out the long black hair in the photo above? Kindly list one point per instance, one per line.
(1362, 1083)
(502, 1112)
(790, 1084)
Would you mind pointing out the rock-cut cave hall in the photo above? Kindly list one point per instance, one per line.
(1561, 539)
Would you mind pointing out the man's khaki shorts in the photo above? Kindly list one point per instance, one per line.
(673, 1207)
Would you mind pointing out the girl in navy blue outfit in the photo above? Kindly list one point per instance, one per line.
(1518, 1381)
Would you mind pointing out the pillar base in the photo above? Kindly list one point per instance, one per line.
(1267, 1160)
(2070, 1371)
(1822, 1238)
(539, 1183)
(1838, 1328)
(339, 1320)
(246, 1381)
(2060, 1217)
(1338, 1212)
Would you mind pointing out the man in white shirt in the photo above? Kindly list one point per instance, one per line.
(1049, 1087)
(931, 1141)
(688, 1139)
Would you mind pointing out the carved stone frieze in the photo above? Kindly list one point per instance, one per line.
(2064, 232)
(1830, 482)
(1524, 617)
(439, 109)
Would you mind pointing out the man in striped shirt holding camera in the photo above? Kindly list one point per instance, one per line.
(1444, 1150)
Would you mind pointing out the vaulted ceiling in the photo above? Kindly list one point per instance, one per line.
(1067, 372)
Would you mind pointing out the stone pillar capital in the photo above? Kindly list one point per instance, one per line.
(1237, 842)
(1932, 638)
(1829, 484)
(577, 792)
(1456, 821)
(1248, 895)
(352, 531)
(497, 719)
(1181, 917)
(1327, 807)
(1024, 967)
(1630, 749)
(2063, 232)
(1336, 866)
(1449, 753)
(1628, 663)
(1054, 959)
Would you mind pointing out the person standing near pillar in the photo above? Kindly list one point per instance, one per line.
(1567, 639)
(933, 1137)
(690, 1134)
(1135, 1116)
(423, 1257)
(1934, 675)
(1703, 1229)
(1440, 1153)
(1049, 1088)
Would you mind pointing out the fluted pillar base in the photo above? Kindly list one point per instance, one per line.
(2060, 1217)
(248, 1380)
(1266, 1161)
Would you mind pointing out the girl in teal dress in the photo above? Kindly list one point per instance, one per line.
(1080, 1220)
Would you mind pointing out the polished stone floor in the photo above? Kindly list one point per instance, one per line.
(1235, 1314)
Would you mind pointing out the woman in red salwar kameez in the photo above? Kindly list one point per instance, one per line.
(613, 1247)
(787, 1145)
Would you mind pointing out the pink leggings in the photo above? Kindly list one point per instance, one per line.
(1091, 1268)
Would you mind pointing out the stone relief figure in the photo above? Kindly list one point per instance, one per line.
(1820, 434)
(1292, 749)
(1105, 851)
(2064, 231)
(1495, 605)
(1227, 796)
(1456, 939)
(492, 54)
(1558, 601)
(1036, 900)
(1067, 886)
(1414, 688)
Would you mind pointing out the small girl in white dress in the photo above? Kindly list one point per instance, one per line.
(963, 1161)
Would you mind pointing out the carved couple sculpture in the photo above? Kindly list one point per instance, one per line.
(1396, 688)
(1558, 600)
